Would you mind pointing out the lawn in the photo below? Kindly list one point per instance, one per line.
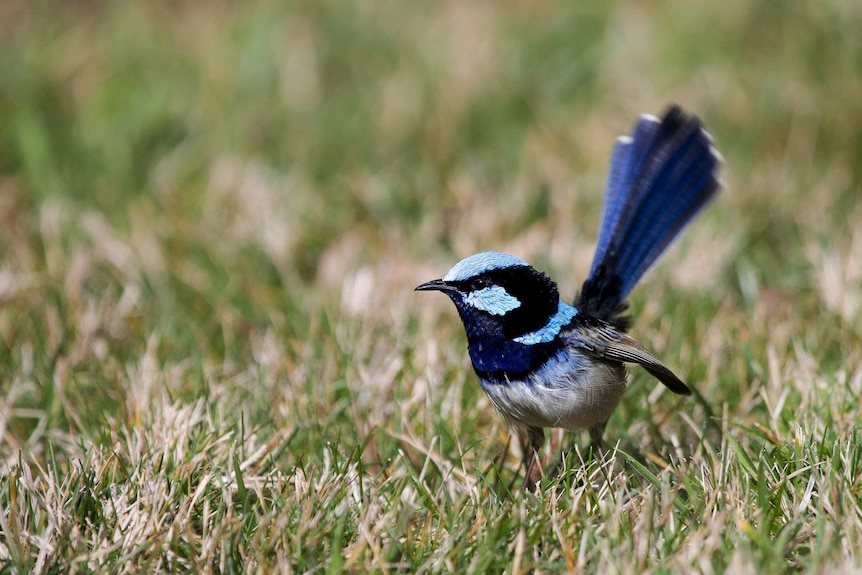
(212, 218)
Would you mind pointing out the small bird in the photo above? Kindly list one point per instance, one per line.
(545, 363)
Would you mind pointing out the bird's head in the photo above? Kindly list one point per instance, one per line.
(498, 295)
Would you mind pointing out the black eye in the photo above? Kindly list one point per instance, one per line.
(479, 283)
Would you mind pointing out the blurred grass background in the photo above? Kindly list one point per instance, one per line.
(213, 215)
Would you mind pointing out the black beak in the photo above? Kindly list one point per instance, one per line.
(435, 285)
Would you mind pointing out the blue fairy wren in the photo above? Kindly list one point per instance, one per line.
(545, 363)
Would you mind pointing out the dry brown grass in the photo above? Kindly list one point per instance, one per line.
(212, 221)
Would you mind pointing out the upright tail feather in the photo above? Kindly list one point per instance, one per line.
(660, 177)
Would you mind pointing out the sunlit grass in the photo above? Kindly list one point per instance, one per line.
(213, 217)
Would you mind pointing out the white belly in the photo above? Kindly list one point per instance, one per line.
(571, 399)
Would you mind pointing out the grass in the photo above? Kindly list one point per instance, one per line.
(213, 217)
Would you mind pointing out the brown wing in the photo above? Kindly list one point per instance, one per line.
(601, 340)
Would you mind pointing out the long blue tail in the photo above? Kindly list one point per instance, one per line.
(660, 177)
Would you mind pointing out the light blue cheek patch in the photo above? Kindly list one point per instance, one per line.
(564, 315)
(494, 300)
